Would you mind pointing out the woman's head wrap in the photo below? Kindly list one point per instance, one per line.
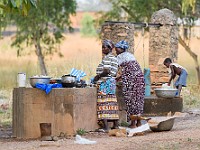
(122, 44)
(108, 43)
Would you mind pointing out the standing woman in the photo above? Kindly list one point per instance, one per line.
(107, 106)
(133, 86)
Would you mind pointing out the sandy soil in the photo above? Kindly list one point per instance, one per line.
(184, 135)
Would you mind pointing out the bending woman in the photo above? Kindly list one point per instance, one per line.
(107, 106)
(133, 86)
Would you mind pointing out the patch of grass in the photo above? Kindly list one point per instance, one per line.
(191, 96)
(6, 123)
(5, 107)
(189, 140)
(3, 97)
(124, 124)
(1, 112)
(170, 146)
(198, 146)
(81, 131)
(6, 117)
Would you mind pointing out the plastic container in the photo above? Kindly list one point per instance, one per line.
(147, 82)
(147, 90)
(21, 79)
(39, 79)
(165, 92)
(158, 124)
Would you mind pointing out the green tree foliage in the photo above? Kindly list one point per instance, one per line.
(43, 27)
(17, 6)
(87, 26)
(187, 5)
(142, 10)
(14, 6)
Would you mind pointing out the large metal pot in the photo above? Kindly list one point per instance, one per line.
(165, 92)
(42, 80)
(158, 124)
(68, 81)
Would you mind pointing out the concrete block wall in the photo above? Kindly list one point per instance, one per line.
(117, 32)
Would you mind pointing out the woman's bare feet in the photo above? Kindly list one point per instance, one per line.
(132, 125)
(138, 123)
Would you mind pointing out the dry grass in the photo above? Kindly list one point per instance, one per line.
(81, 53)
(5, 107)
(191, 96)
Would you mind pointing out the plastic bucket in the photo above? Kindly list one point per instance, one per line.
(147, 82)
(147, 90)
(21, 79)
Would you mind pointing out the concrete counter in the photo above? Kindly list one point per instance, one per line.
(67, 109)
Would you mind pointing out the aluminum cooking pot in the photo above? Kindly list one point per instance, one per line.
(165, 92)
(42, 80)
(68, 79)
(158, 124)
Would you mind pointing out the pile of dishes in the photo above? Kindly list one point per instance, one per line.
(67, 81)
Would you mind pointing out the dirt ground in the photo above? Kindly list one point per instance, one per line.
(184, 135)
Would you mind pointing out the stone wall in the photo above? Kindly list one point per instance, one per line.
(117, 32)
(163, 43)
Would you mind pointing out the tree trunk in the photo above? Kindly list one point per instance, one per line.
(193, 55)
(40, 58)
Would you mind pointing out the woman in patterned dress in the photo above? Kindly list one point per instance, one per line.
(133, 86)
(107, 106)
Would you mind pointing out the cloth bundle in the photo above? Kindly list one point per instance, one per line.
(108, 86)
(47, 87)
(77, 73)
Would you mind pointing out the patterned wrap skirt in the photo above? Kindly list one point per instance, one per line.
(107, 106)
(133, 87)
